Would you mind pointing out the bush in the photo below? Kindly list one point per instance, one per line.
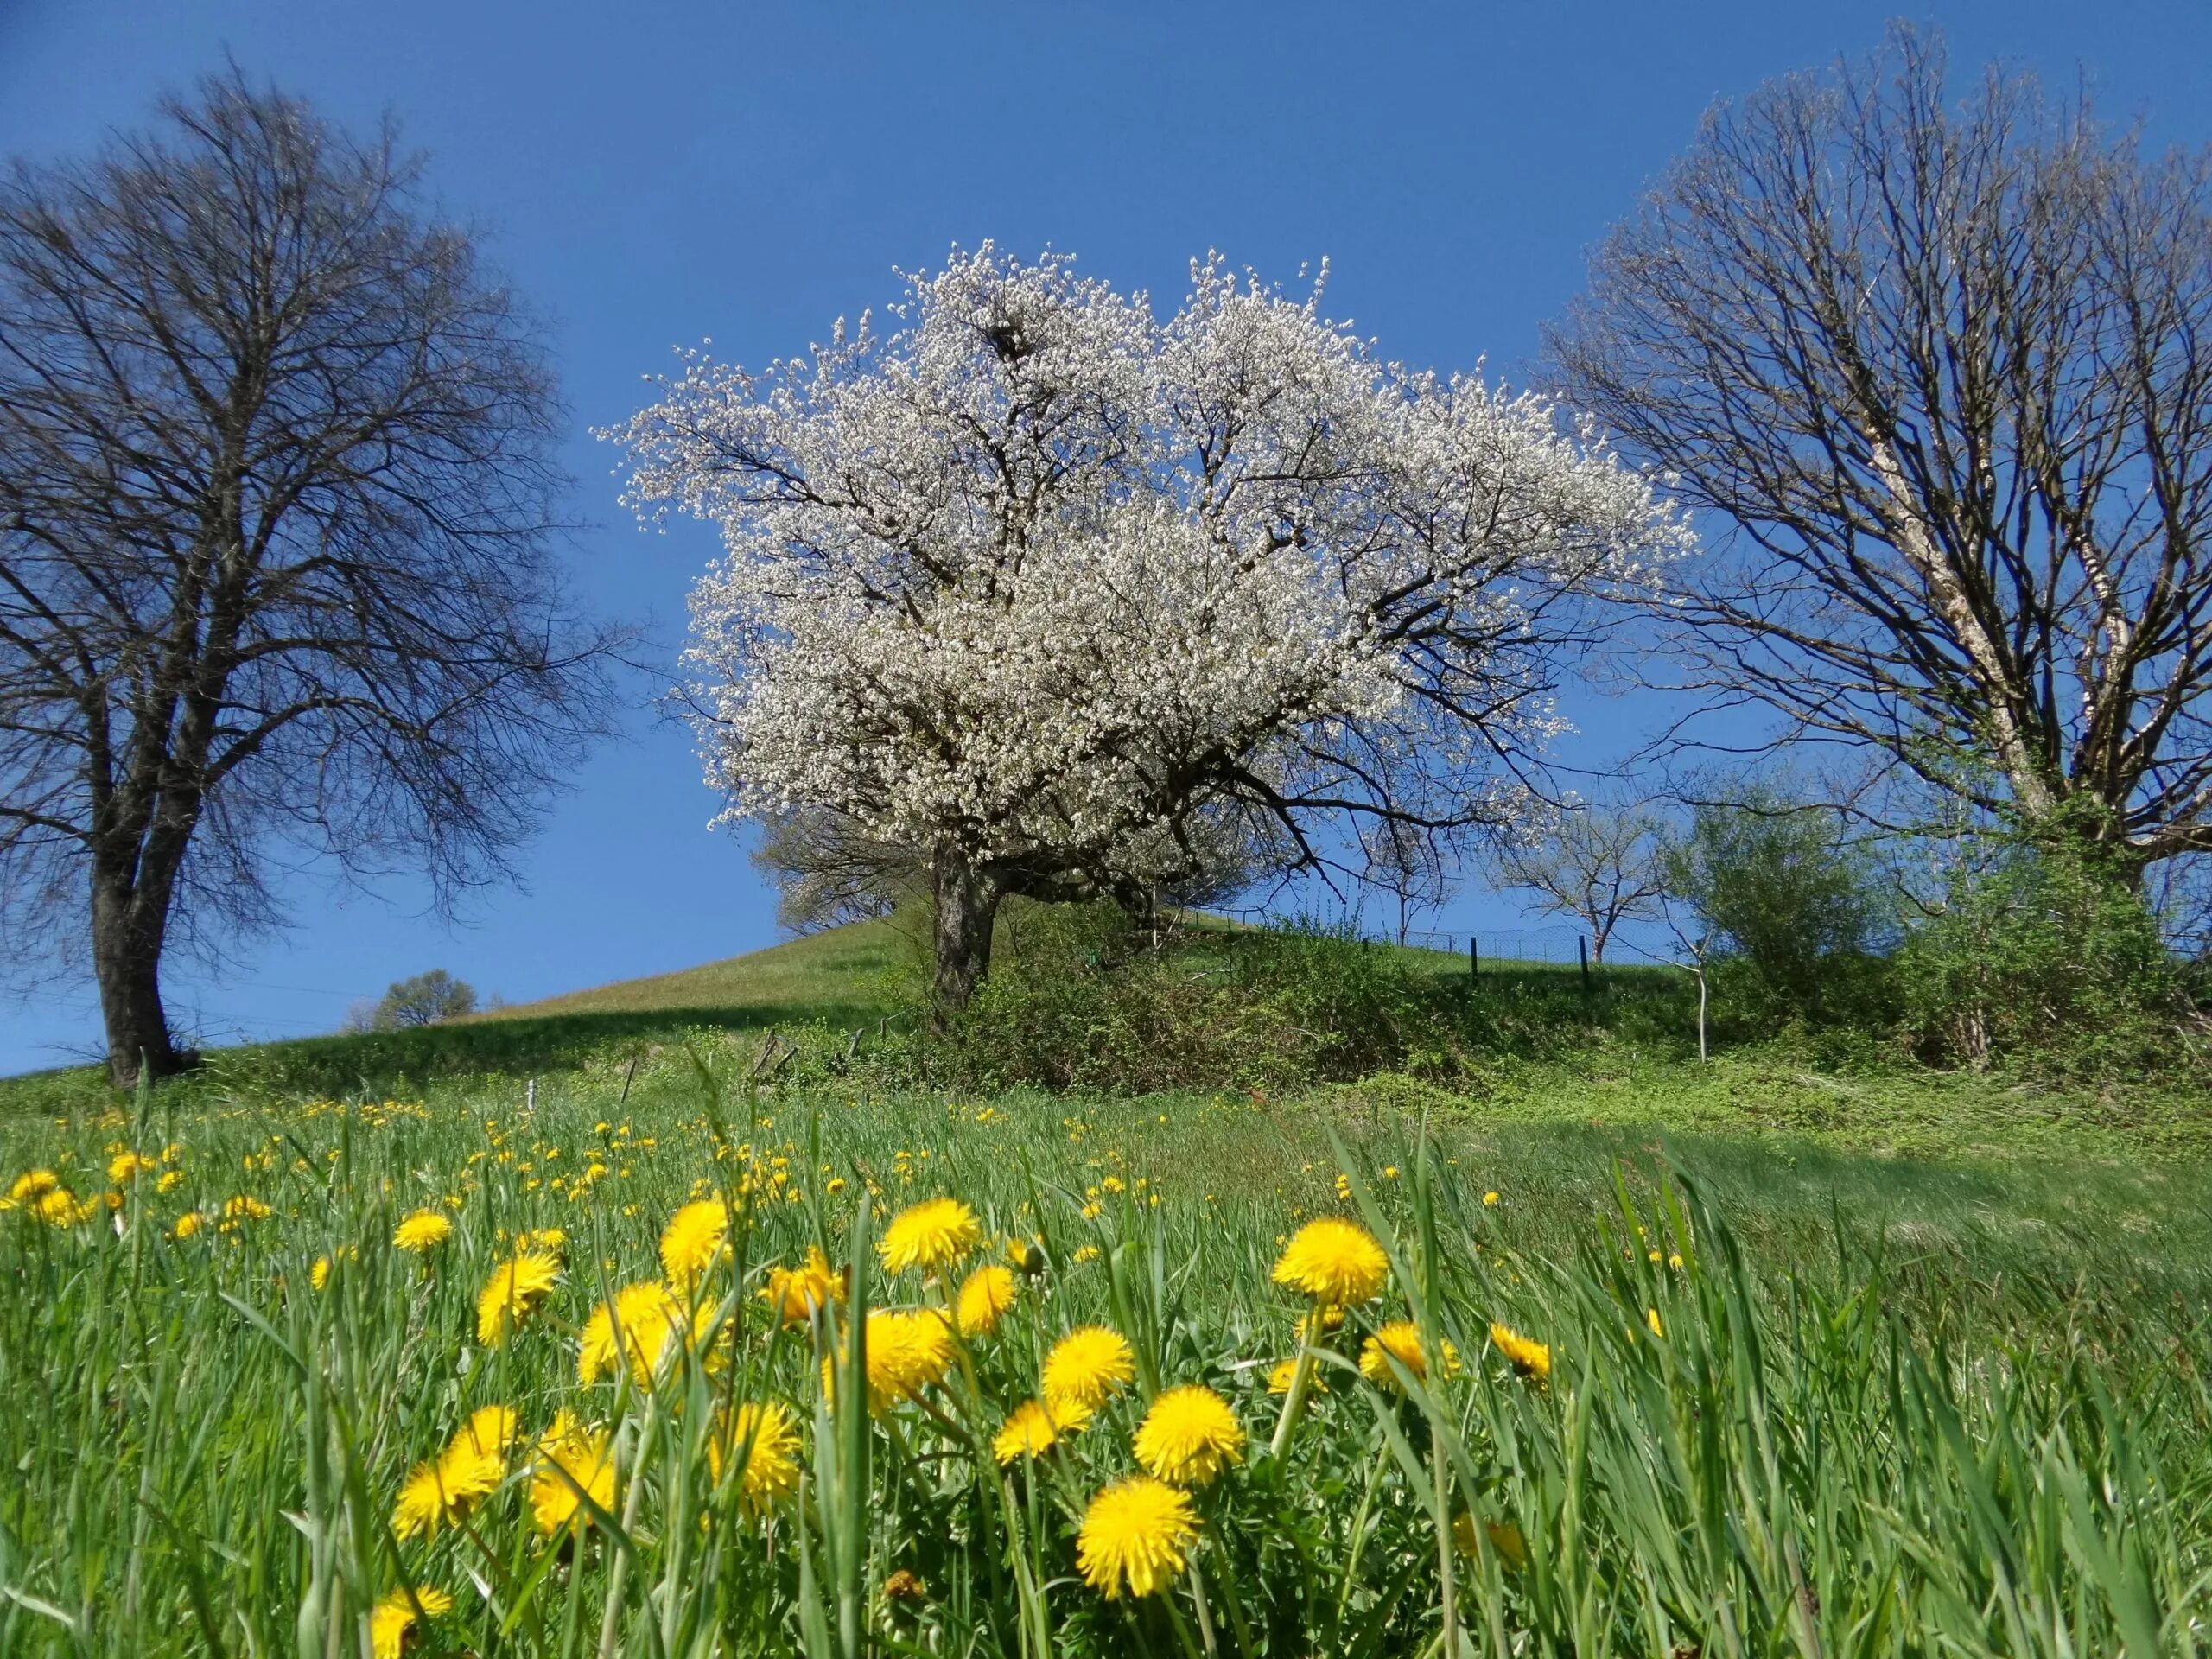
(1798, 920)
(1079, 998)
(2036, 953)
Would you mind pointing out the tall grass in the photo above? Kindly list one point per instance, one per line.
(1745, 1444)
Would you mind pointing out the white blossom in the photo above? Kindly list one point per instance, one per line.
(1035, 581)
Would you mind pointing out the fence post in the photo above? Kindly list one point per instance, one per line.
(1582, 949)
(1474, 960)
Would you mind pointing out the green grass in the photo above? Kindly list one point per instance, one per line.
(1900, 1407)
(1930, 1379)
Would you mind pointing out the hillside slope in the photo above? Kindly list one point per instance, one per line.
(843, 973)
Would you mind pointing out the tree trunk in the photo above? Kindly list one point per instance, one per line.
(967, 908)
(127, 961)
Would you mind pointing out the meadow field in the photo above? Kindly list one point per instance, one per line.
(446, 1371)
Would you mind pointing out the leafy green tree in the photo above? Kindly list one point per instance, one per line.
(424, 999)
(1793, 907)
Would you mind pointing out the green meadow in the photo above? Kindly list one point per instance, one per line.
(1833, 1361)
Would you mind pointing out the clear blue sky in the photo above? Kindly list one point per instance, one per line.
(652, 174)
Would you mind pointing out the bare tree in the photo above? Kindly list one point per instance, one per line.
(276, 533)
(1599, 864)
(1407, 863)
(1949, 371)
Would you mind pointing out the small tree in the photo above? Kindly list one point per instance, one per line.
(277, 542)
(422, 1000)
(1599, 865)
(1408, 866)
(1784, 895)
(1041, 586)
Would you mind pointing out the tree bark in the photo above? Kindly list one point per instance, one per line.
(967, 909)
(127, 961)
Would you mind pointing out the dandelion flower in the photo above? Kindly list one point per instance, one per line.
(1335, 1261)
(393, 1619)
(1504, 1537)
(33, 1184)
(514, 1289)
(57, 1208)
(187, 1223)
(1530, 1357)
(541, 1238)
(422, 1231)
(796, 1293)
(1086, 1365)
(1319, 1321)
(1032, 1427)
(125, 1166)
(1651, 1318)
(1136, 1534)
(1189, 1436)
(983, 1300)
(319, 1275)
(934, 1234)
(1400, 1340)
(570, 1460)
(908, 1350)
(423, 1505)
(642, 1324)
(475, 1460)
(766, 1435)
(692, 1240)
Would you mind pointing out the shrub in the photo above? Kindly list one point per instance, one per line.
(1795, 908)
(2036, 953)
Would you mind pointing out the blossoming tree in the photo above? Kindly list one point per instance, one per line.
(1051, 588)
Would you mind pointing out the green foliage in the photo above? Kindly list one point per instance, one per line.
(2037, 953)
(1080, 999)
(1793, 907)
(423, 1000)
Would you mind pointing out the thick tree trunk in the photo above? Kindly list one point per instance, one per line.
(127, 961)
(967, 908)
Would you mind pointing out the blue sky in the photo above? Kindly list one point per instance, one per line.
(652, 174)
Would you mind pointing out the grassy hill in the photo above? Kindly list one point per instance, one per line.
(845, 975)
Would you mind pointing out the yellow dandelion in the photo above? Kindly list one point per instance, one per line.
(126, 1166)
(475, 1460)
(1189, 1436)
(908, 1350)
(319, 1275)
(1651, 1318)
(1400, 1340)
(765, 1437)
(1504, 1537)
(643, 1324)
(550, 1239)
(935, 1234)
(1032, 1427)
(1318, 1321)
(57, 1208)
(187, 1223)
(393, 1619)
(171, 1180)
(796, 1293)
(1135, 1535)
(423, 1505)
(514, 1289)
(983, 1300)
(1530, 1357)
(692, 1240)
(422, 1231)
(33, 1184)
(571, 1460)
(1286, 1371)
(1334, 1261)
(1490, 1198)
(1086, 1365)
